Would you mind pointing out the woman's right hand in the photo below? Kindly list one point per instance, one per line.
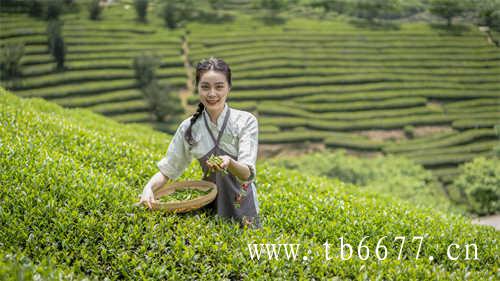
(147, 195)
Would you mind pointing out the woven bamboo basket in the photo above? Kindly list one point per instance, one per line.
(188, 205)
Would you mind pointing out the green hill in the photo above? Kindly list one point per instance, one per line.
(328, 81)
(99, 74)
(344, 86)
(69, 178)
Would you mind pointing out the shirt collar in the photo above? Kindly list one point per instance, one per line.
(221, 117)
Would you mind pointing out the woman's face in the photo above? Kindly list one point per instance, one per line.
(213, 89)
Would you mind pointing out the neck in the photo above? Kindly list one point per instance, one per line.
(214, 115)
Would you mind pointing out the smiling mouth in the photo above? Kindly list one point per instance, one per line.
(212, 101)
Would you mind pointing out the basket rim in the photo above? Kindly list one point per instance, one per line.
(187, 205)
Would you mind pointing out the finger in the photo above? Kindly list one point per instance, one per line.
(152, 199)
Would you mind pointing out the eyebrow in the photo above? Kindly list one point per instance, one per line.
(220, 82)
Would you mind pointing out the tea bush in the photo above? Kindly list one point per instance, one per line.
(479, 180)
(392, 175)
(69, 178)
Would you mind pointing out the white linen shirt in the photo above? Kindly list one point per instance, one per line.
(240, 138)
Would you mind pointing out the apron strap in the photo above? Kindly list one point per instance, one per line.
(223, 126)
(208, 128)
(226, 118)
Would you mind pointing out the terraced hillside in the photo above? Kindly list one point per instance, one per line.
(425, 92)
(99, 74)
(418, 91)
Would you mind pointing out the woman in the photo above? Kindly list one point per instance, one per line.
(216, 129)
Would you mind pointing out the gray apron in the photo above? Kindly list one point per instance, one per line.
(229, 187)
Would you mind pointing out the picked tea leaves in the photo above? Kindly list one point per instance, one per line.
(183, 195)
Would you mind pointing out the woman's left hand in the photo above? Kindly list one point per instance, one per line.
(226, 161)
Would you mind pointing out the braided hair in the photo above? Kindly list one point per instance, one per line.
(203, 66)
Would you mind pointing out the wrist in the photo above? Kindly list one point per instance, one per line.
(231, 163)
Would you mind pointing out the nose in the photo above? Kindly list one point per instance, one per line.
(211, 93)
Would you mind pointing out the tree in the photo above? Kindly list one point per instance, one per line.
(59, 52)
(141, 8)
(169, 13)
(53, 31)
(372, 9)
(489, 13)
(162, 101)
(187, 10)
(495, 20)
(35, 8)
(47, 9)
(217, 6)
(177, 13)
(145, 68)
(95, 10)
(10, 60)
(328, 6)
(447, 9)
(54, 9)
(56, 45)
(479, 181)
(274, 7)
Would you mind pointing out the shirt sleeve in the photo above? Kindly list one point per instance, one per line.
(178, 155)
(248, 147)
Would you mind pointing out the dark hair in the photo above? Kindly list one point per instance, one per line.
(203, 66)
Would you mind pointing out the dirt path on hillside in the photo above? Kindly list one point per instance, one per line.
(186, 93)
(492, 40)
(493, 220)
(489, 37)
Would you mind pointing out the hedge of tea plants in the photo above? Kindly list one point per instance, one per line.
(479, 180)
(393, 175)
(69, 178)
